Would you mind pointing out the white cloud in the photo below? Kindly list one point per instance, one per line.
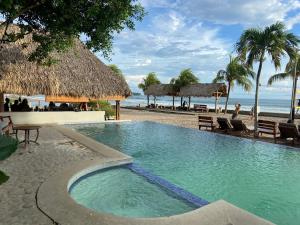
(172, 44)
(293, 21)
(142, 62)
(247, 13)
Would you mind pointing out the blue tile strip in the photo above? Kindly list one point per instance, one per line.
(195, 200)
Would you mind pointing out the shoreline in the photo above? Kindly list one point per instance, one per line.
(229, 112)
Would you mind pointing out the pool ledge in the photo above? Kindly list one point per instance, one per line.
(54, 200)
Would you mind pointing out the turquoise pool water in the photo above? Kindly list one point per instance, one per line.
(259, 177)
(123, 193)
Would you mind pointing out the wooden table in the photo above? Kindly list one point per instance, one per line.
(27, 129)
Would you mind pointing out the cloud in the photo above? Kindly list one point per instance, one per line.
(246, 13)
(195, 34)
(142, 62)
(171, 45)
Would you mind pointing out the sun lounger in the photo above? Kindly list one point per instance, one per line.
(239, 125)
(206, 121)
(201, 108)
(224, 124)
(267, 127)
(288, 130)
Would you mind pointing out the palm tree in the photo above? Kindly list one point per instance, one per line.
(116, 69)
(254, 44)
(235, 72)
(185, 78)
(150, 79)
(292, 69)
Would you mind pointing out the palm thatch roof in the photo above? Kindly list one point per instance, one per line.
(160, 90)
(77, 73)
(203, 90)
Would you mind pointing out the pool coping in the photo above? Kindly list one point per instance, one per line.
(54, 200)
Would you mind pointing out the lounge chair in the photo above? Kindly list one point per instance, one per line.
(267, 127)
(201, 108)
(224, 124)
(206, 121)
(239, 125)
(288, 130)
(6, 125)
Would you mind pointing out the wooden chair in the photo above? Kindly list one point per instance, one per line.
(6, 125)
(288, 130)
(240, 126)
(206, 121)
(224, 124)
(201, 108)
(267, 127)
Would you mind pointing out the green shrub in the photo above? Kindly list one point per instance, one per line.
(8, 145)
(103, 106)
(3, 177)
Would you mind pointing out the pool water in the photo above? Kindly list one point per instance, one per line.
(262, 178)
(123, 193)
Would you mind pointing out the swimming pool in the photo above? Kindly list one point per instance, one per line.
(260, 177)
(121, 192)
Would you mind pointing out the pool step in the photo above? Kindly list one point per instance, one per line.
(195, 200)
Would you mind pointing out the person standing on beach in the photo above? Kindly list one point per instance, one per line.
(236, 111)
(252, 112)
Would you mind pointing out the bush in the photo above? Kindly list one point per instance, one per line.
(3, 177)
(8, 145)
(103, 106)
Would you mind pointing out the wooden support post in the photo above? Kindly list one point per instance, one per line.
(148, 100)
(189, 102)
(173, 103)
(1, 102)
(154, 101)
(118, 110)
(216, 103)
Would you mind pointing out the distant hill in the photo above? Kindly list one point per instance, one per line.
(136, 93)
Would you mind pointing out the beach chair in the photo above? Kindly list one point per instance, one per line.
(267, 127)
(239, 125)
(224, 124)
(201, 108)
(288, 131)
(206, 121)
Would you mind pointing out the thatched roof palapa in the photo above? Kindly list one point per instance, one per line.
(203, 90)
(78, 73)
(160, 90)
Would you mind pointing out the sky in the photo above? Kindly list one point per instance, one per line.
(175, 35)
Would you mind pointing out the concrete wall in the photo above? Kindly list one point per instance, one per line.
(55, 117)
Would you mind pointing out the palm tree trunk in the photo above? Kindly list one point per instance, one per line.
(226, 104)
(295, 78)
(256, 96)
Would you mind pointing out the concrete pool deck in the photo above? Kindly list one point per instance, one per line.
(42, 175)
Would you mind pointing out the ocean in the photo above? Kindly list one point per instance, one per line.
(265, 105)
